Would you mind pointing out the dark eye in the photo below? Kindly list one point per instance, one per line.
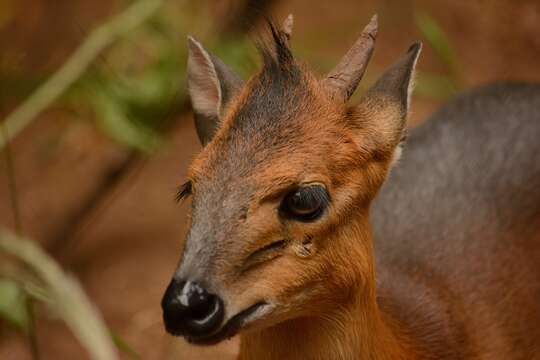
(305, 203)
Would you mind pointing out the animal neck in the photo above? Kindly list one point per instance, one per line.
(354, 334)
(352, 328)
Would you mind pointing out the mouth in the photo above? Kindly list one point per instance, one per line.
(233, 325)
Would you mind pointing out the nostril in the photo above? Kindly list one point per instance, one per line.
(188, 309)
(205, 312)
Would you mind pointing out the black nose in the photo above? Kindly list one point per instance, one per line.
(189, 310)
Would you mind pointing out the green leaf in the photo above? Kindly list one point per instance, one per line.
(37, 292)
(124, 347)
(239, 54)
(434, 86)
(67, 296)
(438, 40)
(112, 118)
(13, 305)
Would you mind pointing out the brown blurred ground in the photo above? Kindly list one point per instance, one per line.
(126, 249)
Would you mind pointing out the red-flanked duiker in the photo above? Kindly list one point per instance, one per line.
(280, 246)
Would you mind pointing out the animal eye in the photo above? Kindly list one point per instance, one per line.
(305, 203)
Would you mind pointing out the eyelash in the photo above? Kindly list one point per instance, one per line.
(184, 191)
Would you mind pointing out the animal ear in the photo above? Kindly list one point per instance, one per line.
(386, 104)
(212, 85)
(342, 81)
(287, 26)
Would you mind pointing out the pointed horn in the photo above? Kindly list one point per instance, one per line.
(342, 81)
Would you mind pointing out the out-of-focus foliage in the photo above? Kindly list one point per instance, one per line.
(137, 86)
(437, 39)
(13, 305)
(124, 347)
(67, 299)
(76, 65)
(436, 85)
(132, 90)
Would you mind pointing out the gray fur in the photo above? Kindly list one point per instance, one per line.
(462, 208)
(474, 166)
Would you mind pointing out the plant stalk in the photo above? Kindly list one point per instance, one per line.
(76, 65)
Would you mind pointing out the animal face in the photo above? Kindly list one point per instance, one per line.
(281, 190)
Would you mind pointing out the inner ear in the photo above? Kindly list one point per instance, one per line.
(212, 84)
(397, 82)
(204, 87)
(383, 110)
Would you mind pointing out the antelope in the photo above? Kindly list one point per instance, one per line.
(290, 246)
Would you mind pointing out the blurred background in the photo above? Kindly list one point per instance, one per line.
(97, 134)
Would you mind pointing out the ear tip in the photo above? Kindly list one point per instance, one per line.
(415, 48)
(194, 46)
(288, 25)
(192, 41)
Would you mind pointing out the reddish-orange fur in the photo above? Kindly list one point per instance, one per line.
(285, 129)
(345, 321)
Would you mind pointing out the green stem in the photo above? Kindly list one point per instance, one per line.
(77, 64)
(68, 298)
(32, 335)
(13, 195)
(12, 184)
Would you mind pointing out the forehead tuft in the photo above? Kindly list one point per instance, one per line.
(278, 109)
(276, 95)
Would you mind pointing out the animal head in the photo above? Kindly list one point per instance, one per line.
(281, 189)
